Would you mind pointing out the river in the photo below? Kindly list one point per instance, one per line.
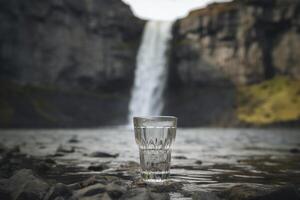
(202, 158)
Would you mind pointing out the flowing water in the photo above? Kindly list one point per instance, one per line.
(151, 70)
(209, 159)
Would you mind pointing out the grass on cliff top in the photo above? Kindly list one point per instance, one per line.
(273, 101)
(214, 9)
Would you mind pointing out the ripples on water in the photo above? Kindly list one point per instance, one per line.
(202, 158)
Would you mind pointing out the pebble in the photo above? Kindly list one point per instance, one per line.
(294, 150)
(180, 157)
(115, 190)
(199, 162)
(57, 191)
(91, 190)
(74, 140)
(99, 154)
(63, 149)
(99, 167)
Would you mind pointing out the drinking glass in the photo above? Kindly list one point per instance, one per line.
(154, 136)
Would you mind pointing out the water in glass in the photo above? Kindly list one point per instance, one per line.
(155, 151)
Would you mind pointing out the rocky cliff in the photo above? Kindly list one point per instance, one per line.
(240, 42)
(66, 63)
(87, 44)
(219, 52)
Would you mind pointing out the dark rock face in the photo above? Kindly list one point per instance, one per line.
(202, 106)
(84, 50)
(223, 47)
(238, 42)
(67, 43)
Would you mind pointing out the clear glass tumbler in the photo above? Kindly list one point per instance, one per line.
(154, 136)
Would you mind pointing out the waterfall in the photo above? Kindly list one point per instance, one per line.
(151, 70)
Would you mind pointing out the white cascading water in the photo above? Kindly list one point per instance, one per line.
(151, 70)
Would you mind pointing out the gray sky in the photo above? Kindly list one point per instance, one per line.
(165, 9)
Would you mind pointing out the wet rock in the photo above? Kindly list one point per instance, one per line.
(186, 167)
(204, 196)
(294, 150)
(64, 149)
(115, 190)
(50, 161)
(90, 181)
(23, 185)
(57, 155)
(58, 191)
(99, 167)
(105, 197)
(74, 140)
(199, 162)
(144, 194)
(180, 157)
(42, 166)
(91, 190)
(167, 187)
(247, 192)
(130, 166)
(99, 154)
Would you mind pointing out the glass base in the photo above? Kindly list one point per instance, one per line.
(155, 177)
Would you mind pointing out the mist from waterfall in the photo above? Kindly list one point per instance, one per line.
(151, 70)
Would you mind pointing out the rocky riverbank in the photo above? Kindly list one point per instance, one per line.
(80, 166)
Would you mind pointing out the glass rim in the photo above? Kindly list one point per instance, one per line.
(170, 118)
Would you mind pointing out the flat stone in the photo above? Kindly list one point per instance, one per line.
(99, 167)
(90, 181)
(199, 162)
(90, 190)
(168, 186)
(59, 190)
(24, 185)
(180, 157)
(294, 150)
(64, 149)
(74, 140)
(115, 190)
(99, 154)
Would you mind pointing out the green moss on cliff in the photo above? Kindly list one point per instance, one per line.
(273, 101)
(44, 109)
(6, 112)
(214, 9)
